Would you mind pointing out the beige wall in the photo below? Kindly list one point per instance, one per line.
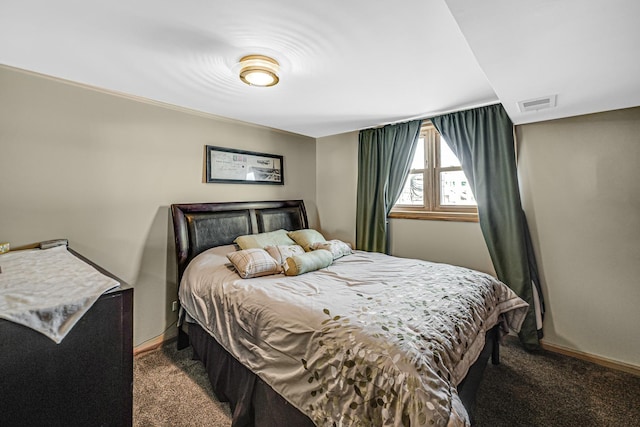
(580, 180)
(102, 170)
(451, 242)
(336, 183)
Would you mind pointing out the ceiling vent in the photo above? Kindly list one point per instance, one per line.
(537, 103)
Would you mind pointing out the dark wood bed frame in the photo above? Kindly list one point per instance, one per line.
(200, 226)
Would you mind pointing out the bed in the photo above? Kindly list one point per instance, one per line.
(359, 342)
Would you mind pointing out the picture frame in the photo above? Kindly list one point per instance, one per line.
(231, 166)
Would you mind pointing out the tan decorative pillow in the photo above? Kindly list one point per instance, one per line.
(281, 252)
(260, 240)
(253, 262)
(338, 248)
(306, 237)
(309, 261)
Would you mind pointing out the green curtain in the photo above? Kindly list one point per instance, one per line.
(482, 139)
(384, 161)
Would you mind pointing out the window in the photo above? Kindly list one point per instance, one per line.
(436, 187)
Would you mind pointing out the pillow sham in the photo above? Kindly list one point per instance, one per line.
(309, 261)
(253, 262)
(338, 248)
(281, 252)
(306, 237)
(260, 240)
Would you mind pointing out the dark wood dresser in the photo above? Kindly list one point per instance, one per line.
(86, 380)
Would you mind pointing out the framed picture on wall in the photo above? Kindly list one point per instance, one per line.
(227, 165)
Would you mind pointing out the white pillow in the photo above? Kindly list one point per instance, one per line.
(338, 248)
(281, 252)
(254, 262)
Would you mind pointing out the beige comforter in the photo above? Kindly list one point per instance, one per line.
(370, 340)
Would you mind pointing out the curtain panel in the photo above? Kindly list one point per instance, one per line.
(384, 161)
(483, 141)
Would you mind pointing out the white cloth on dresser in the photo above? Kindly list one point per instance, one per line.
(49, 290)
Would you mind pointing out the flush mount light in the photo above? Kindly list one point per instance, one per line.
(259, 70)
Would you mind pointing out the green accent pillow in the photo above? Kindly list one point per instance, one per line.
(309, 261)
(261, 240)
(306, 237)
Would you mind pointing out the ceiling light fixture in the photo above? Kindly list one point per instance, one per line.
(259, 70)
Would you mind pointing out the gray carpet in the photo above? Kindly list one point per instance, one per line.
(549, 389)
(170, 389)
(526, 389)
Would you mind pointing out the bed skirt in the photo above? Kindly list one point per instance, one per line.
(255, 404)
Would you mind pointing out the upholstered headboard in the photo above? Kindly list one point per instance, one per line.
(200, 226)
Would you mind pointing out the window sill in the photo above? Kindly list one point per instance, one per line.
(434, 216)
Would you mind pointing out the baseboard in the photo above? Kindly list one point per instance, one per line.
(169, 335)
(598, 360)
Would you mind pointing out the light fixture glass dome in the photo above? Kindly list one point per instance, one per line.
(259, 70)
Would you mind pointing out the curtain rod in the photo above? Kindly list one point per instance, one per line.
(438, 113)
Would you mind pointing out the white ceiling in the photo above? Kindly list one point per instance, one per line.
(345, 65)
